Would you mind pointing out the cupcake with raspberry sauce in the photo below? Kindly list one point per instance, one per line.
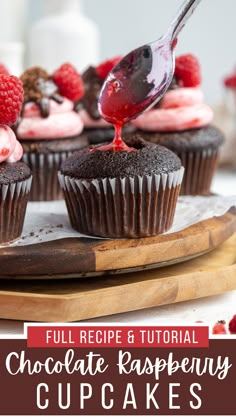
(96, 128)
(122, 190)
(15, 176)
(49, 129)
(181, 121)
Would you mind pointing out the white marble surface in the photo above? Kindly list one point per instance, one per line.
(208, 309)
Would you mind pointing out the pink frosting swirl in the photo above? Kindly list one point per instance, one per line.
(179, 110)
(61, 122)
(10, 149)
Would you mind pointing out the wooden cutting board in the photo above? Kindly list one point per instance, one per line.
(73, 300)
(75, 257)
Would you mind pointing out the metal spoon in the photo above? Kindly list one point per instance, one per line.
(142, 77)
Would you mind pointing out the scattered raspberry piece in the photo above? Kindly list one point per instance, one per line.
(105, 67)
(219, 328)
(11, 98)
(3, 70)
(69, 82)
(232, 325)
(230, 81)
(187, 70)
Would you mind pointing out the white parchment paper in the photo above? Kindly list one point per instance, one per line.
(48, 221)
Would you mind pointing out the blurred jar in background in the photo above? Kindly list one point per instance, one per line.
(225, 118)
(64, 34)
(12, 24)
(12, 56)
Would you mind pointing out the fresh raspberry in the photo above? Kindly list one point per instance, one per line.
(105, 67)
(3, 70)
(219, 328)
(69, 82)
(232, 325)
(187, 70)
(11, 98)
(230, 81)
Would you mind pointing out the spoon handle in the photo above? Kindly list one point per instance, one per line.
(183, 14)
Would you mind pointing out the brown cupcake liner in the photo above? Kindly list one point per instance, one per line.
(199, 170)
(122, 207)
(13, 203)
(44, 167)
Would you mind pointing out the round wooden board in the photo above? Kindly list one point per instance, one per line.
(90, 257)
(72, 300)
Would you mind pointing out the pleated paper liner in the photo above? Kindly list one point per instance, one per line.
(44, 167)
(199, 170)
(122, 207)
(13, 203)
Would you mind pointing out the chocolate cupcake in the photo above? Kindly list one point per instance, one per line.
(96, 128)
(198, 151)
(44, 157)
(49, 129)
(126, 194)
(15, 176)
(181, 121)
(15, 183)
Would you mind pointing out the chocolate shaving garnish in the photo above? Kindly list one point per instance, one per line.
(44, 107)
(39, 88)
(57, 98)
(92, 88)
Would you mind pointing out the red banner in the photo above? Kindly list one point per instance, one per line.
(113, 336)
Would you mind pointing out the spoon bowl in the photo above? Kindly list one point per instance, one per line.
(142, 77)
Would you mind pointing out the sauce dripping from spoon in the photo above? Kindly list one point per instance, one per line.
(141, 78)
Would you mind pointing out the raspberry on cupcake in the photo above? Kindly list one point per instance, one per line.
(49, 129)
(181, 121)
(95, 127)
(15, 176)
(69, 82)
(188, 71)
